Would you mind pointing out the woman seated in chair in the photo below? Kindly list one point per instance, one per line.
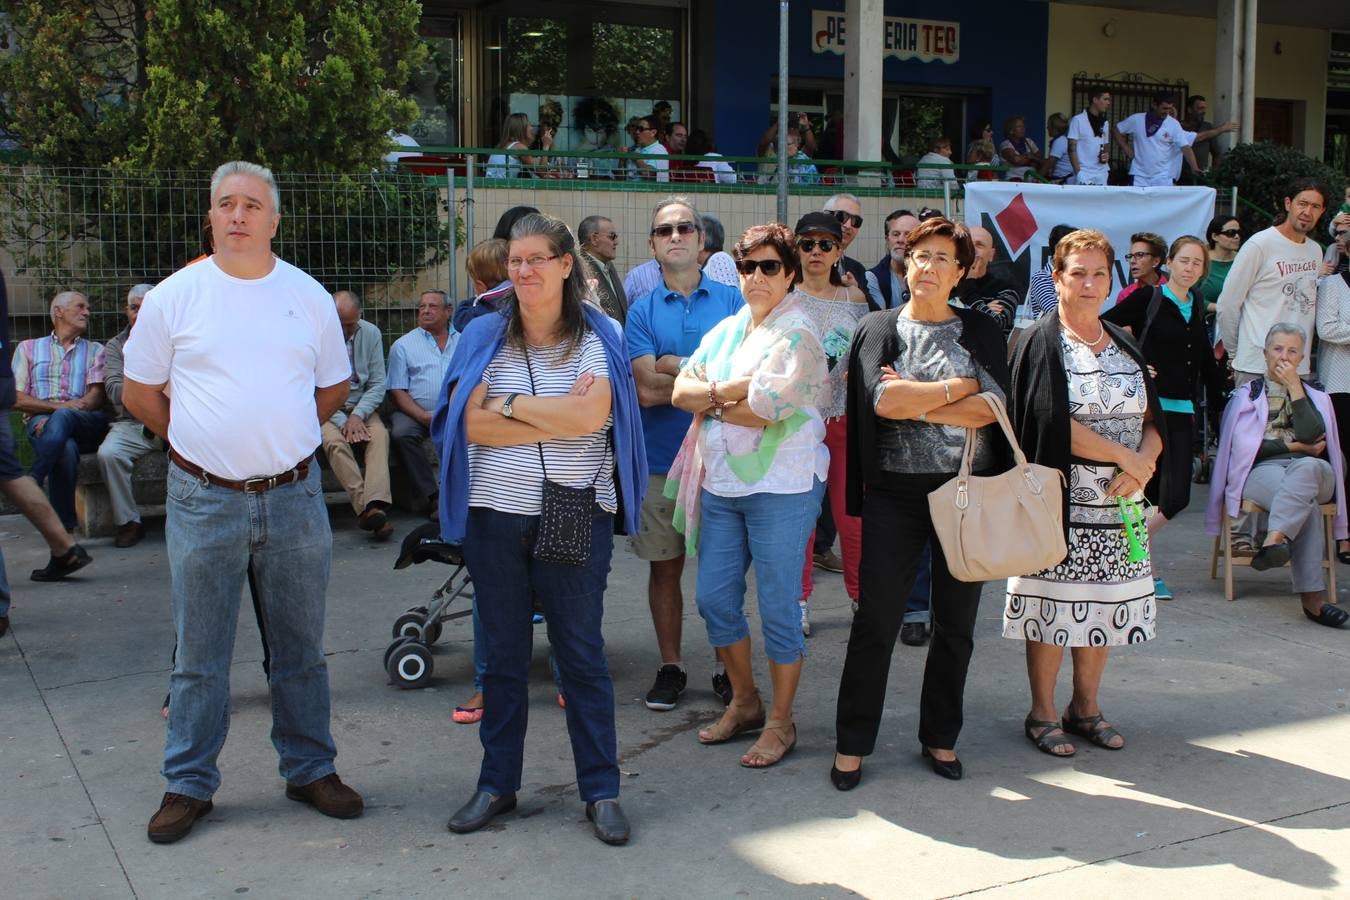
(1273, 451)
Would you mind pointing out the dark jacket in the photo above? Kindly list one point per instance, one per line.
(1039, 402)
(977, 293)
(1178, 349)
(882, 272)
(875, 344)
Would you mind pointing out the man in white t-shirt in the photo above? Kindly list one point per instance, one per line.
(1273, 279)
(1156, 142)
(1089, 140)
(251, 350)
(658, 166)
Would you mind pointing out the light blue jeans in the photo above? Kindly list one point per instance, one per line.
(770, 531)
(212, 534)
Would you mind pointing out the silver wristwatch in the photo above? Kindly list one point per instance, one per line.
(506, 406)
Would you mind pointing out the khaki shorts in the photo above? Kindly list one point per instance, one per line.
(657, 539)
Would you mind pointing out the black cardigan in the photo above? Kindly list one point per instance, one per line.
(1178, 349)
(1039, 402)
(875, 344)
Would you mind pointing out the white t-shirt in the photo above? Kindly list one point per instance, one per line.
(723, 173)
(1087, 146)
(662, 166)
(242, 359)
(1059, 151)
(1273, 279)
(1153, 156)
(932, 179)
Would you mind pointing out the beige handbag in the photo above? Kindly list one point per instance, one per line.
(1000, 526)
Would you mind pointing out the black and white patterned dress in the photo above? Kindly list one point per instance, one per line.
(1095, 597)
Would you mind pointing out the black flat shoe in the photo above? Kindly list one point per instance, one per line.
(608, 821)
(914, 634)
(75, 559)
(951, 770)
(1329, 615)
(480, 809)
(845, 781)
(1273, 556)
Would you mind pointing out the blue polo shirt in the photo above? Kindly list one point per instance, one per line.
(663, 322)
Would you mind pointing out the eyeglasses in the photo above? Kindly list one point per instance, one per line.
(826, 245)
(514, 263)
(1230, 232)
(665, 231)
(1137, 256)
(770, 267)
(843, 217)
(923, 259)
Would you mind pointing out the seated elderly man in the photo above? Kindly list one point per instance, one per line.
(417, 364)
(358, 422)
(1273, 451)
(58, 381)
(127, 439)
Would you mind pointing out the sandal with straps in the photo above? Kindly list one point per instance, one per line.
(1329, 615)
(1038, 731)
(779, 728)
(733, 722)
(1094, 728)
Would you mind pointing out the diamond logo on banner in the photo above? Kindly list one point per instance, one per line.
(1017, 224)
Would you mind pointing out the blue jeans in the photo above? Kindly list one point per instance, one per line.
(769, 530)
(506, 576)
(480, 656)
(213, 534)
(67, 434)
(919, 606)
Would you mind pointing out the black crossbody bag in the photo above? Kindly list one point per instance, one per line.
(565, 513)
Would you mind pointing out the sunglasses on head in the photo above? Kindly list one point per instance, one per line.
(666, 231)
(1230, 232)
(806, 245)
(770, 267)
(843, 217)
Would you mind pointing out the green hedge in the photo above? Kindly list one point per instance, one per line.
(1261, 172)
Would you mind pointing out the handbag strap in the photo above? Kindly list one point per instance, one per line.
(529, 367)
(972, 434)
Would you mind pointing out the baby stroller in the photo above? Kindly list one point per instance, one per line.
(408, 660)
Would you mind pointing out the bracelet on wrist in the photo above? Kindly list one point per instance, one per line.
(947, 389)
(712, 396)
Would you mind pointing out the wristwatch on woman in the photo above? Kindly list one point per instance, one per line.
(506, 406)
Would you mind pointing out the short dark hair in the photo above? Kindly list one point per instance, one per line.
(508, 220)
(937, 142)
(895, 215)
(1216, 225)
(1156, 245)
(1162, 97)
(775, 235)
(1058, 233)
(1098, 91)
(1194, 99)
(714, 235)
(941, 226)
(588, 227)
(1299, 185)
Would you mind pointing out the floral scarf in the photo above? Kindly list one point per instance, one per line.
(789, 379)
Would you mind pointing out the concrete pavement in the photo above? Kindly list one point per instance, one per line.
(1236, 779)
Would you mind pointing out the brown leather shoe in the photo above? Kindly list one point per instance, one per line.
(4, 625)
(129, 535)
(175, 818)
(329, 796)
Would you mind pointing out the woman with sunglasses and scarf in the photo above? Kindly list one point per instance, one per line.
(747, 482)
(911, 380)
(836, 309)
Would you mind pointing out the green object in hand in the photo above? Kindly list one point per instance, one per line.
(1134, 525)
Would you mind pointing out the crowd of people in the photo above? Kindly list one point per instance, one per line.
(743, 406)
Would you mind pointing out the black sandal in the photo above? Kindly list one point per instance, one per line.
(1329, 615)
(1094, 728)
(1038, 731)
(1342, 555)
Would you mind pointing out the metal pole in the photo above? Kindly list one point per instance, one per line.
(782, 109)
(468, 200)
(1232, 208)
(1248, 112)
(947, 198)
(450, 241)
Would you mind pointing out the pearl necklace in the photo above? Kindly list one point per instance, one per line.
(1101, 332)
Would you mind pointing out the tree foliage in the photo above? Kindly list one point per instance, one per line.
(1262, 171)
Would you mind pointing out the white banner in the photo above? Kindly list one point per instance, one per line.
(1021, 216)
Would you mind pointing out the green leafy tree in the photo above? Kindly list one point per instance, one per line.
(1262, 171)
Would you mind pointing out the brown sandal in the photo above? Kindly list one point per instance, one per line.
(779, 728)
(734, 721)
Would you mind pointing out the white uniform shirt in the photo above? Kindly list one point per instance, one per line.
(1087, 145)
(1154, 156)
(242, 359)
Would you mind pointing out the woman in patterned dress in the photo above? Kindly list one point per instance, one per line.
(1083, 402)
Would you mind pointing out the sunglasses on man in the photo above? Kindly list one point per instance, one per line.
(844, 216)
(665, 231)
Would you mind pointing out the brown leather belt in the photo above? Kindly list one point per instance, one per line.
(247, 485)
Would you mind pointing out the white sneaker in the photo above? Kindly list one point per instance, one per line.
(806, 619)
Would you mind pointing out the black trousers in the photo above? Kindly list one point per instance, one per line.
(1178, 456)
(895, 526)
(1340, 405)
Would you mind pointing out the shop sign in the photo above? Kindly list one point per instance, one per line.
(927, 40)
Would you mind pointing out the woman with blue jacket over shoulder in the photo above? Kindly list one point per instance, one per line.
(541, 445)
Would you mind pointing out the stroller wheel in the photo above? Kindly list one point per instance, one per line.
(410, 624)
(433, 633)
(1204, 470)
(410, 666)
(398, 642)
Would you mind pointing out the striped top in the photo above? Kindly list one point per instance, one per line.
(45, 370)
(417, 365)
(1041, 293)
(510, 479)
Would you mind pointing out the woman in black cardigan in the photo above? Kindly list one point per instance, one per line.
(1083, 402)
(911, 382)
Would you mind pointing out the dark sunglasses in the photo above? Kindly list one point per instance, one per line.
(826, 245)
(846, 217)
(666, 231)
(770, 267)
(1230, 232)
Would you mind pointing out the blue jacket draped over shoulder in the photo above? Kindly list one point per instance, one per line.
(481, 340)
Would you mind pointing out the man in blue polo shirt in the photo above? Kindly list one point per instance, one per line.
(663, 327)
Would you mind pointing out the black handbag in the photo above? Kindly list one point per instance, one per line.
(565, 513)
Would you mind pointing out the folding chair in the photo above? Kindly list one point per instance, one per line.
(1223, 541)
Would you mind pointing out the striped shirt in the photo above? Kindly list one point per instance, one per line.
(1041, 294)
(45, 370)
(640, 280)
(417, 365)
(510, 479)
